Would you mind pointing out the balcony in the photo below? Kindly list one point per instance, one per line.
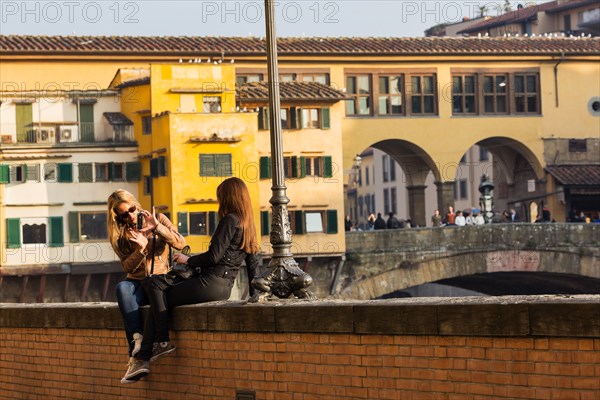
(51, 133)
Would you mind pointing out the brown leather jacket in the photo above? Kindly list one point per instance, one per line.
(138, 264)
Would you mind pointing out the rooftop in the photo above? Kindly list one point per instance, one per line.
(316, 46)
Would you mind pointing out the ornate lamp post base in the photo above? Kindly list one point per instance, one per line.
(282, 278)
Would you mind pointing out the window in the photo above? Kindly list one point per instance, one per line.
(392, 170)
(359, 176)
(87, 226)
(386, 168)
(146, 125)
(386, 201)
(101, 172)
(526, 91)
(246, 78)
(32, 172)
(484, 155)
(422, 94)
(86, 172)
(577, 146)
(567, 22)
(215, 165)
(318, 78)
(287, 77)
(361, 203)
(18, 173)
(32, 231)
(65, 172)
(133, 171)
(390, 95)
(394, 200)
(50, 172)
(359, 88)
(495, 99)
(314, 221)
(367, 175)
(212, 104)
(116, 172)
(197, 223)
(368, 203)
(283, 115)
(310, 118)
(460, 190)
(463, 94)
(158, 166)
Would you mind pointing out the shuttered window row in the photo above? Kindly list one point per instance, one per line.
(296, 118)
(305, 221)
(20, 232)
(63, 172)
(299, 167)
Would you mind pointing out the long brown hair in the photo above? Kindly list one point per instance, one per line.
(116, 227)
(233, 197)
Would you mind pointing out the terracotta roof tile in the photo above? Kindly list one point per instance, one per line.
(289, 91)
(117, 118)
(134, 82)
(576, 175)
(196, 46)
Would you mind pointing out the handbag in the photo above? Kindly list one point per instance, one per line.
(182, 271)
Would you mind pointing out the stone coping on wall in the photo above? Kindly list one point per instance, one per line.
(518, 316)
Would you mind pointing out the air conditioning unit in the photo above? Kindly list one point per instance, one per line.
(44, 134)
(68, 133)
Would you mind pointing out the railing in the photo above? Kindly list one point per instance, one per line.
(54, 133)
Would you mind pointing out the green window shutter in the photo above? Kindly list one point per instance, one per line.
(86, 172)
(212, 222)
(302, 167)
(13, 233)
(111, 171)
(65, 172)
(133, 171)
(332, 221)
(154, 167)
(299, 222)
(4, 173)
(162, 166)
(86, 121)
(325, 118)
(327, 167)
(24, 172)
(73, 227)
(295, 167)
(293, 118)
(24, 118)
(262, 119)
(223, 164)
(56, 232)
(265, 167)
(207, 165)
(182, 223)
(264, 223)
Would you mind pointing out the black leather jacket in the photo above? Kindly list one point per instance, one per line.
(224, 252)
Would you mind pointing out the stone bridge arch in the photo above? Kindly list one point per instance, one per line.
(418, 155)
(383, 262)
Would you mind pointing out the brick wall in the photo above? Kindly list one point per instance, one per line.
(498, 348)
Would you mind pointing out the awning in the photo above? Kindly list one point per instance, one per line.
(576, 175)
(117, 118)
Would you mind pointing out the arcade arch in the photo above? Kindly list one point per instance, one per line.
(426, 182)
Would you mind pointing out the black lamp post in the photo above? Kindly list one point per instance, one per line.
(283, 277)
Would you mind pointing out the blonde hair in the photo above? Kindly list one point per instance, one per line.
(116, 227)
(234, 197)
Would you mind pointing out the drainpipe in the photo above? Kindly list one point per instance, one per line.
(562, 57)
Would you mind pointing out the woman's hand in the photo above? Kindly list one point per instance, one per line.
(180, 258)
(151, 221)
(139, 238)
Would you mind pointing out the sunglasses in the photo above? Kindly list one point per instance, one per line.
(124, 215)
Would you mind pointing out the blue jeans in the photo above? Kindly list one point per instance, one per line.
(130, 296)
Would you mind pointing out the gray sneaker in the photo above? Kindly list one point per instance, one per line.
(137, 370)
(137, 343)
(160, 349)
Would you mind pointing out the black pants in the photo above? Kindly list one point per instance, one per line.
(164, 294)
